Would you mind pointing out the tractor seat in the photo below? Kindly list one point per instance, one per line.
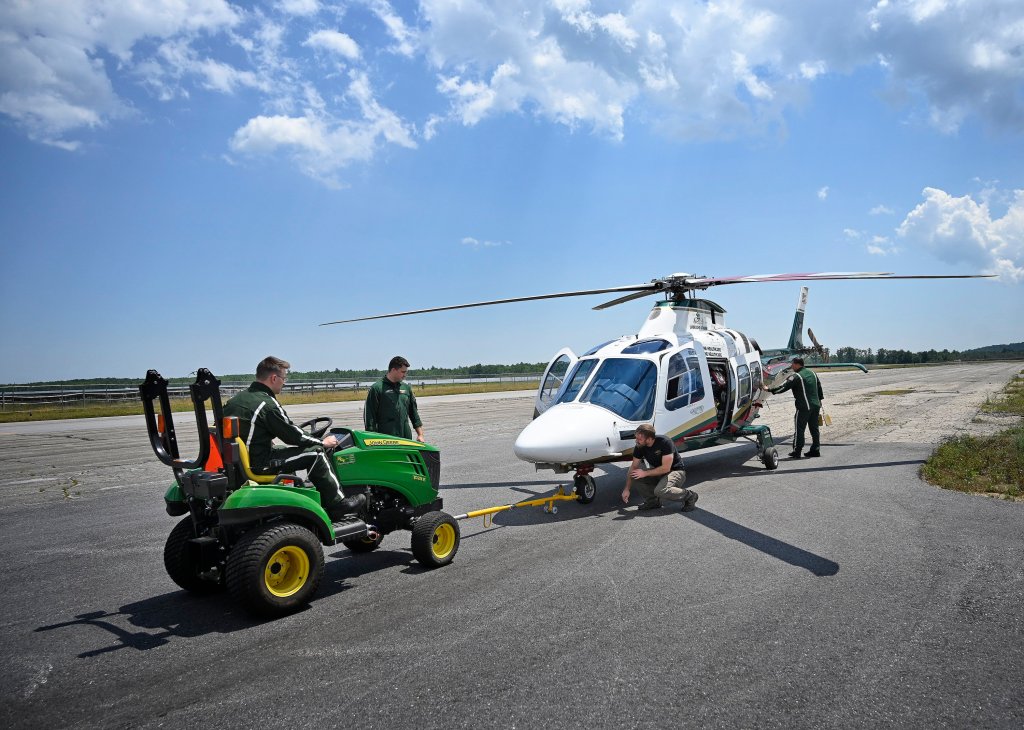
(243, 455)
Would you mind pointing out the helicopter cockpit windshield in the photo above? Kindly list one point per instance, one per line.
(624, 386)
(576, 379)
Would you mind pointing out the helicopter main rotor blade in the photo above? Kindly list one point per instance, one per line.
(630, 297)
(582, 293)
(705, 282)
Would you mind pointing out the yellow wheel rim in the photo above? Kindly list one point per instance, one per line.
(287, 571)
(443, 541)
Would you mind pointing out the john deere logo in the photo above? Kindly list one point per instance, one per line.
(391, 442)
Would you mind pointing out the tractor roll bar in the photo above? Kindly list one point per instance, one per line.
(165, 443)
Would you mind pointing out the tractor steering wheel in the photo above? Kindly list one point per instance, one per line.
(315, 430)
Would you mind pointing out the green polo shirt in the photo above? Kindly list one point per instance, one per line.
(389, 409)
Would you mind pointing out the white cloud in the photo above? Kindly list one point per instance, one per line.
(881, 246)
(691, 69)
(476, 243)
(881, 210)
(334, 41)
(717, 69)
(962, 230)
(300, 7)
(823, 193)
(404, 38)
(53, 80)
(321, 144)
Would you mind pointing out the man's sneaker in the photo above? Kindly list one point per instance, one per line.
(812, 452)
(690, 501)
(650, 504)
(794, 454)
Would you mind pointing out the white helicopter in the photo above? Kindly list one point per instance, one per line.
(685, 372)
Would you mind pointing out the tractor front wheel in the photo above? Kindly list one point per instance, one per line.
(181, 559)
(435, 539)
(771, 458)
(275, 569)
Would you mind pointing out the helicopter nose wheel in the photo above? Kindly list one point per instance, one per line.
(586, 488)
(770, 458)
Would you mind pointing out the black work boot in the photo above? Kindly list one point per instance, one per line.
(812, 452)
(690, 501)
(347, 506)
(794, 454)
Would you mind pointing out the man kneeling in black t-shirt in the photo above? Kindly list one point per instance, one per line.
(662, 480)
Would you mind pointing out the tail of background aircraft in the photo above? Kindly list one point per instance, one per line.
(796, 340)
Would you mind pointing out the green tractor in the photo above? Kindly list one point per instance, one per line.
(261, 536)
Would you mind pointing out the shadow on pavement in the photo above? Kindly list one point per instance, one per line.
(182, 615)
(778, 549)
(176, 614)
(826, 467)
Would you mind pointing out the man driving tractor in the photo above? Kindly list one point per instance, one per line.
(261, 419)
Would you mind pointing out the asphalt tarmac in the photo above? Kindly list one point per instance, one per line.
(834, 592)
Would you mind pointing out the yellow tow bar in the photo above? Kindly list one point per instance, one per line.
(547, 502)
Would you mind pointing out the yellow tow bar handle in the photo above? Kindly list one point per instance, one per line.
(547, 502)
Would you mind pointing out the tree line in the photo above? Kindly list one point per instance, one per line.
(883, 356)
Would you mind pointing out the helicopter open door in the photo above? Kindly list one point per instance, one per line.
(687, 401)
(552, 379)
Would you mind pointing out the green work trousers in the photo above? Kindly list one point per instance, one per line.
(806, 419)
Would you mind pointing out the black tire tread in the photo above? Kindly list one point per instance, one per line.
(422, 539)
(179, 567)
(243, 574)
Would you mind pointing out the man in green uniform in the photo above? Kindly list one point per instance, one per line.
(807, 397)
(390, 404)
(261, 419)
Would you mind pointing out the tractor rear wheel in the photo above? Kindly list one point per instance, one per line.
(435, 539)
(274, 569)
(181, 559)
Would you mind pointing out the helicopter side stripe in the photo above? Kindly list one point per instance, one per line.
(693, 426)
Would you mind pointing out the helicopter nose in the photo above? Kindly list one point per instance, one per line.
(568, 433)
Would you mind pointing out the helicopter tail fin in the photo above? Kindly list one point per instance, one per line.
(796, 340)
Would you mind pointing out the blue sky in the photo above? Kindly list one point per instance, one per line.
(200, 183)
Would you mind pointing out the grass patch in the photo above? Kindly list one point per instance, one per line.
(1011, 400)
(894, 391)
(134, 408)
(985, 465)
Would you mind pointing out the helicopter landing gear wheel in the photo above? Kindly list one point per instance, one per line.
(770, 458)
(586, 488)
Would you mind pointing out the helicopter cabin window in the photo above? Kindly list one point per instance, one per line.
(625, 387)
(685, 384)
(744, 377)
(595, 348)
(553, 380)
(646, 347)
(572, 384)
